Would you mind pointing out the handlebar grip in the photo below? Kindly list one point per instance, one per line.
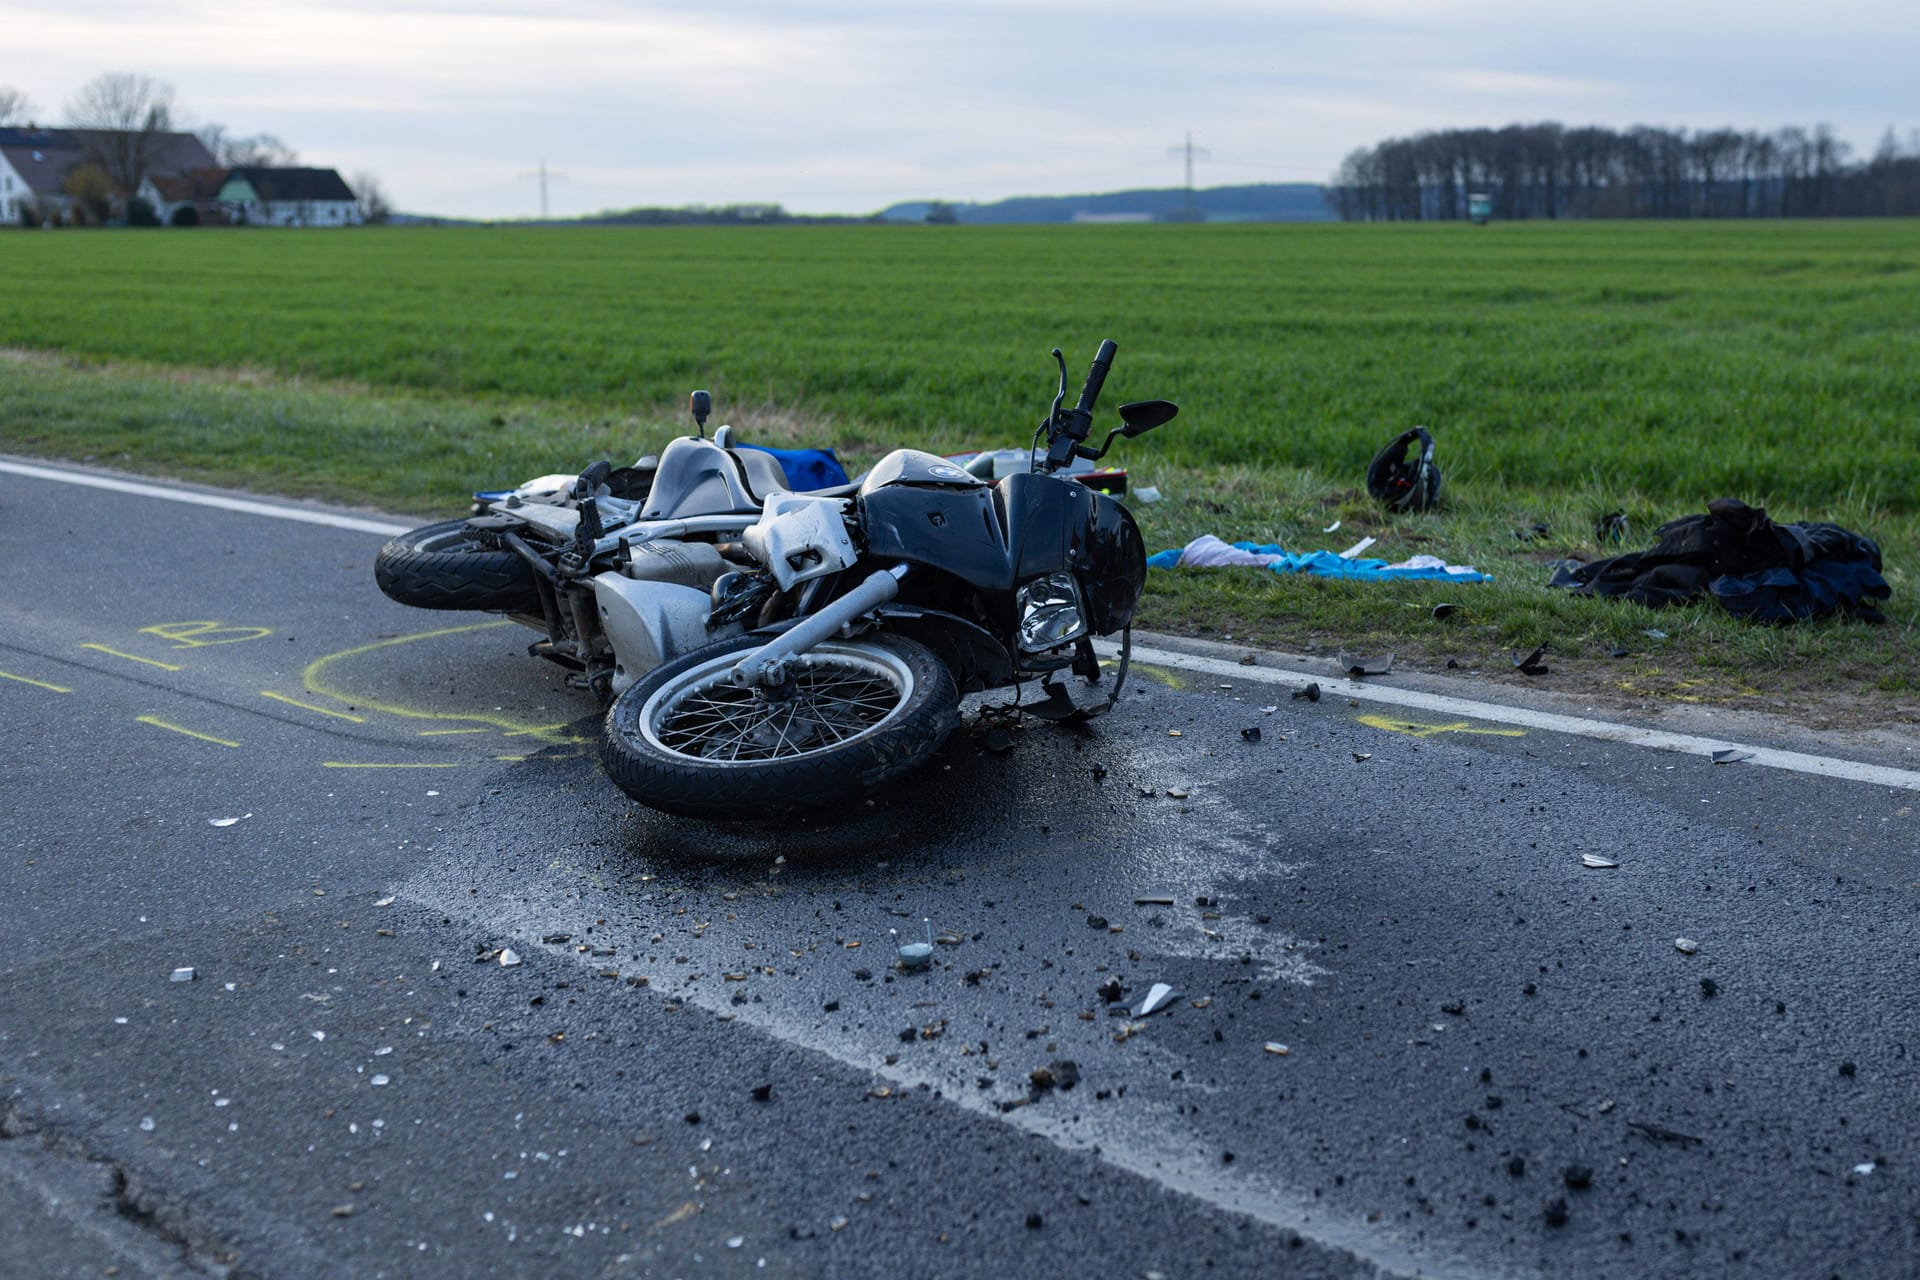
(1097, 375)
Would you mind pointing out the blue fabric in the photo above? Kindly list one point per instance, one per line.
(1326, 564)
(807, 469)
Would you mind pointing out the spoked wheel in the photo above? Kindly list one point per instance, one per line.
(445, 566)
(857, 714)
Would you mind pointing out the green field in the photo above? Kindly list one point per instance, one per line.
(1565, 370)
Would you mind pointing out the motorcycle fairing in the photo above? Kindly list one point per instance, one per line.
(994, 539)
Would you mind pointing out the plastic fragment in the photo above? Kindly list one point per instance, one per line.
(1685, 946)
(1361, 757)
(385, 902)
(1866, 1168)
(1277, 1049)
(1595, 860)
(1731, 755)
(916, 955)
(1444, 610)
(146, 1124)
(1311, 693)
(1250, 734)
(1654, 633)
(380, 1080)
(1158, 997)
(182, 974)
(509, 957)
(226, 822)
(1177, 793)
(1153, 900)
(1332, 527)
(1377, 665)
(1531, 664)
(1357, 548)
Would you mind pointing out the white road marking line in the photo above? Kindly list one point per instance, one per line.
(1552, 722)
(1578, 726)
(246, 506)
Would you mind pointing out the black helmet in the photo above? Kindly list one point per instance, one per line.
(1403, 482)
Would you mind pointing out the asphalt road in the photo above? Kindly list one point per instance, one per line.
(1497, 1062)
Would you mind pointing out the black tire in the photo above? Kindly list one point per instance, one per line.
(894, 695)
(442, 566)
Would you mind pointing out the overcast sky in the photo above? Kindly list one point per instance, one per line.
(844, 106)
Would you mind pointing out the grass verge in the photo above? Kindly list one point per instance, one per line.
(419, 454)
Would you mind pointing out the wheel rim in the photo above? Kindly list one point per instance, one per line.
(841, 695)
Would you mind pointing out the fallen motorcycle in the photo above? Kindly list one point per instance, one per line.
(863, 619)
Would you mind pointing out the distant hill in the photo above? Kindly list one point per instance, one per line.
(1256, 202)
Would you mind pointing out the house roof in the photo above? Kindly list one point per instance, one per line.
(195, 184)
(293, 183)
(42, 157)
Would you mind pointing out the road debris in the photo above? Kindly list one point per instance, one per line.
(1159, 996)
(1361, 757)
(916, 955)
(182, 974)
(1731, 755)
(1311, 693)
(227, 822)
(1531, 664)
(1685, 946)
(509, 957)
(1444, 610)
(1277, 1049)
(1153, 900)
(1377, 665)
(1250, 734)
(1177, 793)
(1595, 860)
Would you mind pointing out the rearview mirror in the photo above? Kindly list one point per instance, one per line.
(1143, 416)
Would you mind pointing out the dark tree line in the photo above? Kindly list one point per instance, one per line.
(1549, 171)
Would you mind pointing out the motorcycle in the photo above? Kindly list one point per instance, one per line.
(840, 653)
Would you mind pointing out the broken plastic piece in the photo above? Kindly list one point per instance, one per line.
(1250, 734)
(1357, 548)
(1731, 755)
(1531, 664)
(183, 974)
(1444, 610)
(1378, 665)
(1654, 633)
(509, 957)
(226, 822)
(1311, 693)
(917, 955)
(1158, 997)
(1616, 653)
(1595, 860)
(1361, 757)
(1685, 946)
(1153, 900)
(1277, 1049)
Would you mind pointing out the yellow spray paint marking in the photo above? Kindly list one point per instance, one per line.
(196, 635)
(357, 764)
(308, 706)
(1415, 730)
(1171, 679)
(319, 678)
(100, 648)
(38, 684)
(443, 733)
(158, 723)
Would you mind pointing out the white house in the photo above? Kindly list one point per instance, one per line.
(293, 197)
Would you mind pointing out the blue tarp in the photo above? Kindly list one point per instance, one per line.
(1325, 564)
(807, 469)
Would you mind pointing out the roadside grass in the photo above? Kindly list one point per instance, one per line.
(420, 453)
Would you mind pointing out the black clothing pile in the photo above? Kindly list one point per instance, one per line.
(1756, 569)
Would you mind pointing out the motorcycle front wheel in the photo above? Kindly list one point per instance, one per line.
(858, 714)
(444, 566)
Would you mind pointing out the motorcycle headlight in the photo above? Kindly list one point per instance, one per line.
(1050, 613)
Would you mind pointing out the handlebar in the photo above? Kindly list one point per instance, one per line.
(1097, 375)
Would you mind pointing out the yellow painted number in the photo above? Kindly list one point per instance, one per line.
(1415, 730)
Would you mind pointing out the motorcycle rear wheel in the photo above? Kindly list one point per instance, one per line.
(443, 566)
(862, 712)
